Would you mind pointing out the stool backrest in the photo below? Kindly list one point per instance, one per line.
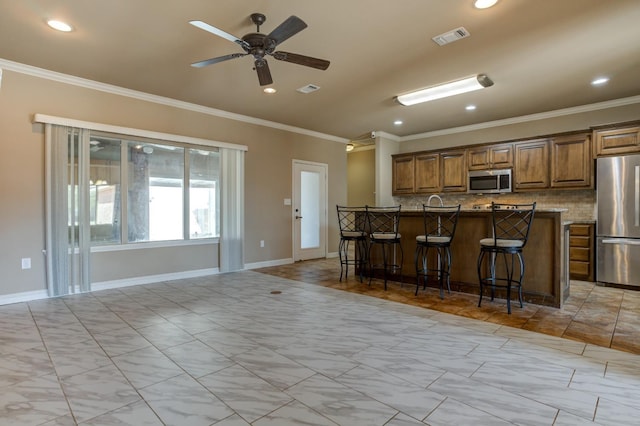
(383, 220)
(351, 220)
(440, 221)
(512, 221)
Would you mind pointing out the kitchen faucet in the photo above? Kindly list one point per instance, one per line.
(437, 197)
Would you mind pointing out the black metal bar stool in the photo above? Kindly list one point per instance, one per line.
(511, 225)
(352, 222)
(439, 229)
(383, 225)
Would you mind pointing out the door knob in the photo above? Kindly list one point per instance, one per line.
(298, 217)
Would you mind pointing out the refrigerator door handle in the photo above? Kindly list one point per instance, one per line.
(637, 196)
(627, 241)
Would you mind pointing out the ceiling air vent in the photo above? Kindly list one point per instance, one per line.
(308, 88)
(451, 36)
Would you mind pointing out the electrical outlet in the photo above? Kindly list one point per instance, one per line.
(26, 263)
(261, 243)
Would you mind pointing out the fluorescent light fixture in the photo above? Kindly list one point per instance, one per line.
(452, 88)
(59, 25)
(470, 107)
(599, 81)
(398, 122)
(484, 4)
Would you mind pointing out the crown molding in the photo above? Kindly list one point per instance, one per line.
(526, 118)
(121, 91)
(389, 136)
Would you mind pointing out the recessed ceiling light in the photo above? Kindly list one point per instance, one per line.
(59, 25)
(269, 90)
(398, 122)
(484, 4)
(599, 81)
(470, 107)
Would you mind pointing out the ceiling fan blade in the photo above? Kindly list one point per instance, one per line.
(264, 75)
(307, 61)
(212, 61)
(217, 31)
(290, 27)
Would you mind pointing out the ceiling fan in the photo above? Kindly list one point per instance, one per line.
(259, 45)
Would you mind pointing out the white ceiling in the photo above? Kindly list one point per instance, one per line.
(541, 54)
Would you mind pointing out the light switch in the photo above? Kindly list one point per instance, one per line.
(26, 263)
(287, 201)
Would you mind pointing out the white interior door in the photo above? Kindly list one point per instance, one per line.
(309, 209)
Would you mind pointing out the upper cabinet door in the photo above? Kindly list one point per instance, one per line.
(617, 141)
(531, 169)
(491, 157)
(571, 161)
(454, 171)
(403, 174)
(427, 173)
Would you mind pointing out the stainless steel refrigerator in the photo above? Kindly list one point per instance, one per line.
(618, 222)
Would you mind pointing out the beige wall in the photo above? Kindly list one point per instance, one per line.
(361, 177)
(267, 179)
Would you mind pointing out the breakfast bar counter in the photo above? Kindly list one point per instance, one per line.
(545, 281)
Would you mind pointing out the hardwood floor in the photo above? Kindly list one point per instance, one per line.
(603, 316)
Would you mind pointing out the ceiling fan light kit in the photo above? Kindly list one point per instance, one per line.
(444, 90)
(260, 45)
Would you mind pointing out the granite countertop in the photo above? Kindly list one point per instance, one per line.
(541, 210)
(578, 222)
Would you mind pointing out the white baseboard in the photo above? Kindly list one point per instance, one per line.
(147, 279)
(268, 263)
(150, 279)
(7, 299)
(332, 255)
(28, 296)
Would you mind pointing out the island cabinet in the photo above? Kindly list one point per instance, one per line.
(545, 280)
(491, 157)
(531, 165)
(571, 161)
(616, 141)
(581, 251)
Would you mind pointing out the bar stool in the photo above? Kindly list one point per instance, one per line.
(383, 223)
(352, 222)
(439, 229)
(511, 225)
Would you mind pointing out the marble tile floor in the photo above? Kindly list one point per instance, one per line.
(250, 348)
(603, 316)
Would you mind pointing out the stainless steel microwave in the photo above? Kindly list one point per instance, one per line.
(489, 181)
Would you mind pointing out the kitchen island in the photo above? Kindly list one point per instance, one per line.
(545, 255)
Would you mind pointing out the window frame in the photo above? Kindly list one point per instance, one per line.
(125, 142)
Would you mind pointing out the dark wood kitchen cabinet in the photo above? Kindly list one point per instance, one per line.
(616, 141)
(531, 165)
(571, 161)
(427, 173)
(454, 171)
(490, 157)
(581, 252)
(403, 174)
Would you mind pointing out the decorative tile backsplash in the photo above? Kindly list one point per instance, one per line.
(581, 204)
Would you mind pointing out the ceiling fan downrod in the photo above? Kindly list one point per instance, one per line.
(258, 19)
